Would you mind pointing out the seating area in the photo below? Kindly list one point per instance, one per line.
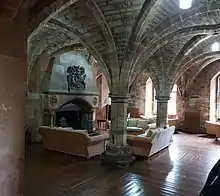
(136, 126)
(143, 139)
(151, 142)
(213, 128)
(74, 142)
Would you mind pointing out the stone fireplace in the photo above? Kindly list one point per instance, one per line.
(78, 114)
(71, 92)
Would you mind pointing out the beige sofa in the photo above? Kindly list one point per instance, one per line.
(136, 126)
(75, 142)
(213, 128)
(148, 146)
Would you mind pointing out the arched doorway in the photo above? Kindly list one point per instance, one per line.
(78, 114)
(151, 102)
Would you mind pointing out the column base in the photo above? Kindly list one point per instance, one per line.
(117, 156)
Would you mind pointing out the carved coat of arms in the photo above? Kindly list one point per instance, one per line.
(76, 77)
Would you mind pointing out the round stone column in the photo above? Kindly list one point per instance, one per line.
(119, 107)
(117, 152)
(13, 64)
(90, 121)
(162, 109)
(12, 133)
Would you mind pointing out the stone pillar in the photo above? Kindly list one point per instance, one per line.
(117, 152)
(162, 106)
(90, 121)
(13, 64)
(52, 118)
(34, 114)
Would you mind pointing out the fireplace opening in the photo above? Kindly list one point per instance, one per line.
(77, 114)
(70, 115)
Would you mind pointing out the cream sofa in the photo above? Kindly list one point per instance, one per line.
(74, 142)
(147, 146)
(136, 126)
(213, 128)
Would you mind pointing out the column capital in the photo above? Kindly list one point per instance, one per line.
(117, 98)
(162, 98)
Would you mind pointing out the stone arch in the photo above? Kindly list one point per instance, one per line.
(179, 22)
(193, 61)
(39, 75)
(37, 20)
(197, 96)
(151, 92)
(196, 73)
(68, 40)
(77, 114)
(80, 102)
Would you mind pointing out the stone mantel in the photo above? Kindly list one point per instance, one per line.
(54, 100)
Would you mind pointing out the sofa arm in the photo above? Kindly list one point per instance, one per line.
(139, 139)
(99, 138)
(139, 142)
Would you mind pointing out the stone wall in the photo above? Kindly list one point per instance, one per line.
(102, 86)
(196, 96)
(138, 93)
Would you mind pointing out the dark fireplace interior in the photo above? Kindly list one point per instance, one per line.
(73, 115)
(76, 114)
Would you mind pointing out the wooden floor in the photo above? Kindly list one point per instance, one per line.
(179, 171)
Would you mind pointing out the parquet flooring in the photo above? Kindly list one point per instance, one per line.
(179, 171)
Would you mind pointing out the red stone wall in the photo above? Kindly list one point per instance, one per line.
(196, 98)
(13, 62)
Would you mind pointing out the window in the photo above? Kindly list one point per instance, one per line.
(218, 98)
(215, 47)
(151, 102)
(172, 101)
(185, 4)
(155, 103)
(214, 112)
(149, 98)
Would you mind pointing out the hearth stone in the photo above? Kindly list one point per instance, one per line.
(118, 156)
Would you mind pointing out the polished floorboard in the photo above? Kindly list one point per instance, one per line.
(179, 171)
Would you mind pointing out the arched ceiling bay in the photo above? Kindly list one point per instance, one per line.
(128, 36)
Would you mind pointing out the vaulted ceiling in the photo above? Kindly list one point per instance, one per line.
(127, 37)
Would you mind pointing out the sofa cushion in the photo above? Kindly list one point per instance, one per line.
(151, 134)
(142, 123)
(134, 129)
(132, 122)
